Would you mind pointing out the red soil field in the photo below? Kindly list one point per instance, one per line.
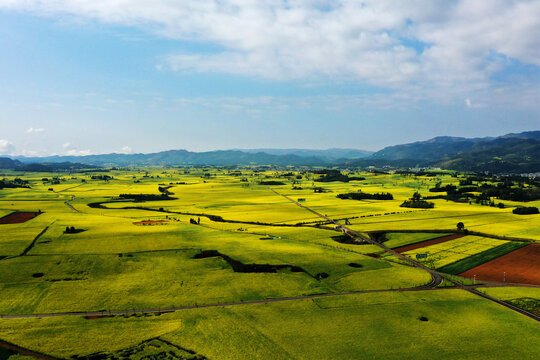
(522, 266)
(90, 317)
(150, 222)
(18, 217)
(425, 243)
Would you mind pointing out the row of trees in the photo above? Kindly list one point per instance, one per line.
(362, 195)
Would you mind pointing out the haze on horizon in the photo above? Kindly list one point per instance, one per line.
(86, 77)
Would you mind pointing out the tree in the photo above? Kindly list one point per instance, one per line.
(460, 226)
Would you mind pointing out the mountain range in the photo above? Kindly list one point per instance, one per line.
(511, 153)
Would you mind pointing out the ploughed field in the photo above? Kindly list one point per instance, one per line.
(18, 217)
(520, 266)
(208, 263)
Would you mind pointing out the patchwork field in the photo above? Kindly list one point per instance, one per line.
(519, 266)
(209, 263)
(425, 243)
(18, 217)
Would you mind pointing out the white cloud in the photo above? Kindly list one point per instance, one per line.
(471, 105)
(126, 150)
(71, 150)
(6, 148)
(35, 130)
(75, 152)
(437, 49)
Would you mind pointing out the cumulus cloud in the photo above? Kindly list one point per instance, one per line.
(427, 48)
(75, 152)
(6, 148)
(35, 130)
(71, 150)
(126, 150)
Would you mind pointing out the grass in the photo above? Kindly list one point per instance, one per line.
(280, 331)
(514, 292)
(86, 272)
(470, 262)
(528, 304)
(401, 239)
(449, 252)
(115, 265)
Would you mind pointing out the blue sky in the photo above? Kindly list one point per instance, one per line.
(82, 77)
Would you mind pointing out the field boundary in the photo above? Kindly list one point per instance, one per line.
(361, 238)
(475, 260)
(24, 351)
(425, 243)
(102, 313)
(454, 231)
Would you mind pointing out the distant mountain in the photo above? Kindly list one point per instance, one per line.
(502, 155)
(432, 150)
(327, 155)
(184, 157)
(7, 163)
(511, 153)
(533, 135)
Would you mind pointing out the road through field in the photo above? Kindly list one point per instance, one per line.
(202, 306)
(67, 203)
(363, 239)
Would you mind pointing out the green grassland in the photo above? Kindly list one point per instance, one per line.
(395, 240)
(449, 252)
(331, 328)
(113, 264)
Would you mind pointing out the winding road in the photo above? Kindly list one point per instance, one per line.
(357, 237)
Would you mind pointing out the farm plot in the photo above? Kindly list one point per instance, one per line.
(451, 251)
(481, 258)
(18, 217)
(396, 240)
(422, 244)
(520, 266)
(292, 330)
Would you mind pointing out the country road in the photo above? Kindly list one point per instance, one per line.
(363, 239)
(227, 304)
(67, 203)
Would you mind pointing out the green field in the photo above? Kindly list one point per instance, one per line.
(401, 239)
(280, 331)
(269, 248)
(478, 259)
(449, 252)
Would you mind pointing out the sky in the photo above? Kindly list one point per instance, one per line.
(99, 76)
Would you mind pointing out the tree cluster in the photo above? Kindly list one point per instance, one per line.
(15, 183)
(522, 210)
(362, 195)
(416, 202)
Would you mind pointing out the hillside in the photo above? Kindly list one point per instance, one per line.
(431, 150)
(184, 157)
(507, 155)
(10, 164)
(511, 153)
(327, 155)
(7, 163)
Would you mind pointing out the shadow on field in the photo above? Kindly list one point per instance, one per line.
(152, 349)
(239, 266)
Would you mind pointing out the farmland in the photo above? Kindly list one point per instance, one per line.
(211, 263)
